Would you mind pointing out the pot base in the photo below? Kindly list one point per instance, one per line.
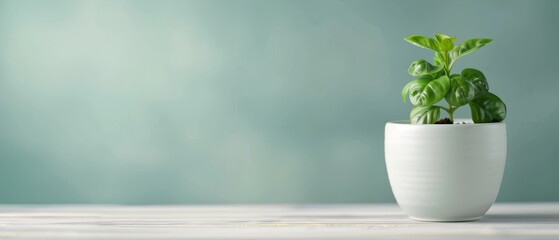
(445, 220)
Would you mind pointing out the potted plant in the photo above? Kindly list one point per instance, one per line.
(447, 169)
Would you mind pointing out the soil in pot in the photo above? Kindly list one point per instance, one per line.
(444, 121)
(448, 121)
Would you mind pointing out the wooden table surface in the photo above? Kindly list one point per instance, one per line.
(503, 221)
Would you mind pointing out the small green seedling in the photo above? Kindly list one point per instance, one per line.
(435, 82)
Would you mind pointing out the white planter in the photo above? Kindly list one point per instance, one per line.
(445, 172)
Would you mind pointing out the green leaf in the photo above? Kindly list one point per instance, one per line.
(420, 68)
(423, 42)
(405, 91)
(461, 91)
(425, 114)
(440, 37)
(424, 91)
(477, 79)
(438, 59)
(445, 42)
(488, 108)
(467, 47)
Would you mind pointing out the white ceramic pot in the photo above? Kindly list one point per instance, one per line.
(445, 172)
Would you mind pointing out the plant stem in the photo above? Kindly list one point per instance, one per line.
(447, 67)
(451, 112)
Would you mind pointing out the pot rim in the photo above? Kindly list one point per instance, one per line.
(469, 123)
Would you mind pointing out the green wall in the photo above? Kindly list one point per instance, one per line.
(168, 102)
